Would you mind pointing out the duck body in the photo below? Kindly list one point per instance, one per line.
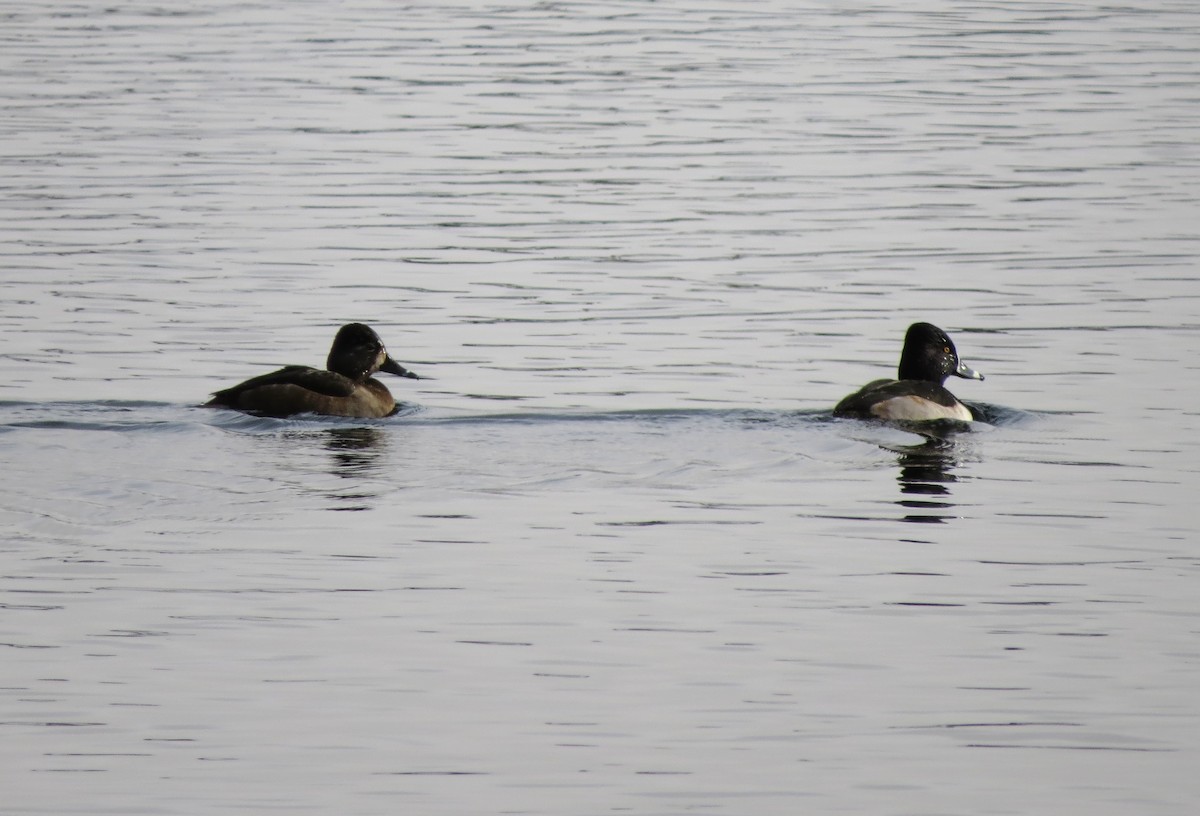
(903, 401)
(304, 390)
(344, 388)
(919, 393)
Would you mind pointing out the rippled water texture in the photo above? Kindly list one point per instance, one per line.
(614, 555)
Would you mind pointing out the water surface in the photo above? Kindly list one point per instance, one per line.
(614, 555)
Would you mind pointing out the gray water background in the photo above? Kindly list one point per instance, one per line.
(615, 556)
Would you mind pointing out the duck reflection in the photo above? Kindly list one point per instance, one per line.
(926, 477)
(346, 466)
(355, 454)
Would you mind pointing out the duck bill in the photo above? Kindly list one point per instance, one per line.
(392, 367)
(966, 372)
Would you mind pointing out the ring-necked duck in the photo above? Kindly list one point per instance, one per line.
(346, 388)
(929, 357)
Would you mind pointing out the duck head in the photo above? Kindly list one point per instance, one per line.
(929, 354)
(357, 353)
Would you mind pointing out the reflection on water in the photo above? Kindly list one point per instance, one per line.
(355, 457)
(925, 471)
(927, 468)
(354, 452)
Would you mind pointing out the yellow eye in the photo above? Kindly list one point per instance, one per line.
(946, 349)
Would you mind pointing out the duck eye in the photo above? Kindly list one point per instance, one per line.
(946, 349)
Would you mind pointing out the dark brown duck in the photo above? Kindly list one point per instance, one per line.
(344, 388)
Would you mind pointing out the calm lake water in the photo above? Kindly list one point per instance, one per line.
(614, 556)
